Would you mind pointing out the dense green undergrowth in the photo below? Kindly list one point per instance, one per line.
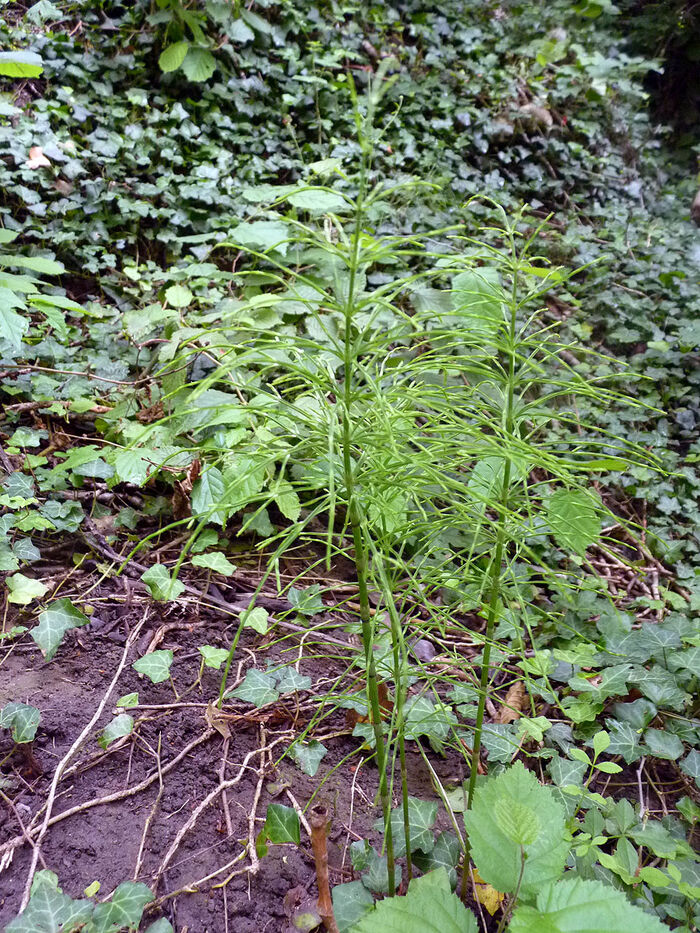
(291, 319)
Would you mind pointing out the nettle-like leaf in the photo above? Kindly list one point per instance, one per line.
(123, 909)
(121, 725)
(428, 907)
(207, 495)
(22, 719)
(421, 818)
(199, 64)
(156, 665)
(577, 906)
(574, 518)
(60, 617)
(173, 56)
(513, 807)
(162, 586)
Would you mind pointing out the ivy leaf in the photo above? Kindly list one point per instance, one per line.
(213, 657)
(255, 618)
(173, 56)
(351, 902)
(156, 665)
(445, 854)
(291, 681)
(421, 818)
(163, 588)
(20, 64)
(306, 602)
(54, 622)
(428, 907)
(49, 909)
(663, 744)
(493, 836)
(160, 926)
(691, 765)
(309, 756)
(123, 909)
(24, 590)
(216, 561)
(257, 688)
(121, 725)
(281, 824)
(199, 64)
(208, 493)
(574, 519)
(128, 700)
(22, 719)
(577, 906)
(13, 326)
(424, 717)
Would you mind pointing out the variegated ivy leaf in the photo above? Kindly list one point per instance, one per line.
(57, 619)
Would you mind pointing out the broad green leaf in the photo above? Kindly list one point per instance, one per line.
(574, 519)
(34, 264)
(421, 818)
(478, 296)
(262, 235)
(578, 906)
(255, 618)
(351, 902)
(289, 680)
(319, 201)
(207, 496)
(691, 765)
(161, 584)
(22, 719)
(257, 688)
(213, 657)
(128, 700)
(426, 908)
(307, 602)
(13, 326)
(445, 854)
(24, 590)
(287, 501)
(281, 824)
(156, 665)
(121, 725)
(518, 821)
(601, 742)
(239, 32)
(376, 877)
(7, 236)
(160, 926)
(214, 560)
(663, 744)
(20, 64)
(50, 910)
(309, 756)
(173, 56)
(496, 855)
(425, 717)
(123, 909)
(179, 296)
(57, 619)
(199, 64)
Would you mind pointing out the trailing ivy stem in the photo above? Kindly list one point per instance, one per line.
(358, 531)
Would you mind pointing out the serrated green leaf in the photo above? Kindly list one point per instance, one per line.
(163, 588)
(22, 719)
(287, 501)
(577, 906)
(179, 296)
(574, 519)
(426, 908)
(173, 56)
(20, 64)
(281, 824)
(207, 496)
(496, 855)
(199, 64)
(121, 725)
(57, 619)
(156, 665)
(518, 821)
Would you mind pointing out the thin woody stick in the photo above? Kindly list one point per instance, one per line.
(319, 822)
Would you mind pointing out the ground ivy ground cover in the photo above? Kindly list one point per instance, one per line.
(263, 349)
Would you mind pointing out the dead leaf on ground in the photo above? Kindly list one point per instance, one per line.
(486, 894)
(514, 703)
(37, 159)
